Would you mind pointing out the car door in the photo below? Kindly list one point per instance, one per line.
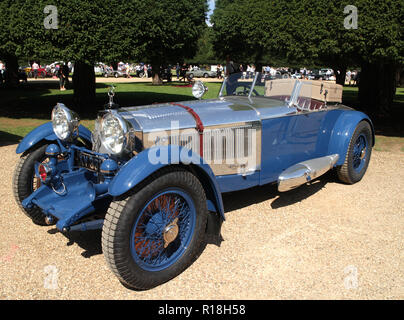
(290, 139)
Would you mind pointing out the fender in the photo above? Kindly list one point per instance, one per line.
(140, 167)
(45, 131)
(343, 130)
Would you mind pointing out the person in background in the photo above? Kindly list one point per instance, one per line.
(66, 72)
(1, 72)
(218, 72)
(145, 74)
(61, 74)
(183, 72)
(35, 67)
(127, 70)
(177, 70)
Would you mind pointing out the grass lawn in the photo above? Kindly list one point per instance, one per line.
(30, 105)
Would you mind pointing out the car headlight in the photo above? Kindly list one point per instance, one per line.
(114, 132)
(199, 89)
(64, 121)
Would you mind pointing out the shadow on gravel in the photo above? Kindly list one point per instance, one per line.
(241, 199)
(89, 240)
(7, 139)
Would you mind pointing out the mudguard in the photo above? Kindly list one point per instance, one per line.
(45, 132)
(342, 133)
(145, 163)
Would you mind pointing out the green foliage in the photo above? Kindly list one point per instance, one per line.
(205, 53)
(309, 32)
(99, 30)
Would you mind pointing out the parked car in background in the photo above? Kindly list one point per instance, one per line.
(42, 73)
(152, 177)
(99, 68)
(201, 73)
(315, 75)
(114, 73)
(140, 71)
(296, 75)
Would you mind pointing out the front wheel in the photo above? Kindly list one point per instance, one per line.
(25, 182)
(156, 233)
(358, 155)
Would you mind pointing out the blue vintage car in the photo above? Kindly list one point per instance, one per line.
(152, 177)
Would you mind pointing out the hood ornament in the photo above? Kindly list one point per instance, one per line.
(111, 93)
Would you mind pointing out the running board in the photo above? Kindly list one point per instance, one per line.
(305, 171)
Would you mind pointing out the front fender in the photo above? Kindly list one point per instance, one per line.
(45, 132)
(143, 165)
(342, 133)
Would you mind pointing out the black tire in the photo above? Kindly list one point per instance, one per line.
(23, 178)
(123, 214)
(346, 172)
(105, 75)
(205, 75)
(191, 76)
(116, 75)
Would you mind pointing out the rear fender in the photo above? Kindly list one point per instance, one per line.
(343, 131)
(45, 132)
(144, 164)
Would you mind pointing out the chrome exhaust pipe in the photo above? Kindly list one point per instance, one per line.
(305, 171)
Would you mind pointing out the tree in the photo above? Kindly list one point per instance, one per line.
(89, 31)
(169, 30)
(313, 33)
(204, 53)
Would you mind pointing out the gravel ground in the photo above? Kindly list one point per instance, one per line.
(322, 241)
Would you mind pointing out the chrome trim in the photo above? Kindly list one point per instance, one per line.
(305, 171)
(125, 125)
(253, 84)
(73, 120)
(228, 149)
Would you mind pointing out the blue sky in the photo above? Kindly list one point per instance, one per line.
(211, 8)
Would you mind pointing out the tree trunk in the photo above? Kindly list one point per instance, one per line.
(11, 73)
(156, 80)
(340, 74)
(84, 86)
(377, 88)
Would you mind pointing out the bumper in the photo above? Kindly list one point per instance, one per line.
(72, 192)
(74, 198)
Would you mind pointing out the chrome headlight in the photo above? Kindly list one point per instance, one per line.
(199, 89)
(114, 131)
(64, 121)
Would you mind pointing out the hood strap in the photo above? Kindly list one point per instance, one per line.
(199, 124)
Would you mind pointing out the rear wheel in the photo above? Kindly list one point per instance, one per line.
(358, 155)
(156, 233)
(25, 182)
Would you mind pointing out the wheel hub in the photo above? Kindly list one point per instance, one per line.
(363, 153)
(170, 232)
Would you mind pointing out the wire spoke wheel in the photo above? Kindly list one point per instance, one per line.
(163, 230)
(359, 153)
(156, 231)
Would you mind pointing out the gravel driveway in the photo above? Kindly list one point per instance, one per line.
(322, 241)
